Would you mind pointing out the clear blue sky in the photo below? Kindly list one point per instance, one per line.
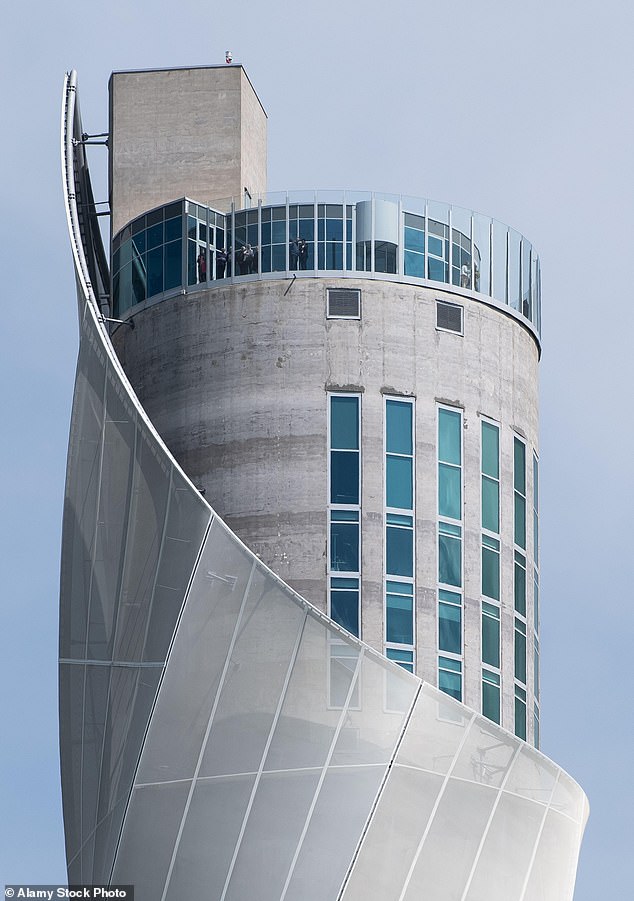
(521, 111)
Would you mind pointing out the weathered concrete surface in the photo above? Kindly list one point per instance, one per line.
(199, 133)
(236, 379)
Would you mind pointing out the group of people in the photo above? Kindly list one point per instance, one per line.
(297, 253)
(247, 259)
(246, 262)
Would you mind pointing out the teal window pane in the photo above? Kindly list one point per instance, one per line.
(535, 601)
(449, 491)
(192, 266)
(491, 701)
(414, 264)
(398, 427)
(536, 670)
(344, 423)
(520, 657)
(520, 521)
(344, 477)
(519, 466)
(399, 552)
(519, 589)
(344, 547)
(344, 609)
(154, 263)
(490, 450)
(491, 641)
(398, 519)
(399, 619)
(399, 656)
(414, 239)
(450, 683)
(490, 574)
(154, 235)
(450, 628)
(173, 265)
(449, 564)
(451, 597)
(449, 436)
(399, 482)
(520, 718)
(490, 505)
(173, 228)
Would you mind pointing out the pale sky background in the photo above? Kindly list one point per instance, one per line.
(522, 111)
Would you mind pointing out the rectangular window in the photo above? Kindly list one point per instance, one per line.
(491, 635)
(490, 477)
(450, 677)
(520, 712)
(519, 485)
(344, 494)
(519, 583)
(491, 695)
(520, 650)
(449, 621)
(490, 567)
(449, 501)
(399, 604)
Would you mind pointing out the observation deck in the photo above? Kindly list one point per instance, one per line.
(185, 245)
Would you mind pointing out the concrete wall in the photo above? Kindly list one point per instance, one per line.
(175, 132)
(236, 378)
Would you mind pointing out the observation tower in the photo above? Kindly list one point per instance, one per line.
(300, 575)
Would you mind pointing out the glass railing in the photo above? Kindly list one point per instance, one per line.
(187, 243)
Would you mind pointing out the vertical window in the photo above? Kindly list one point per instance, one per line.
(536, 594)
(520, 712)
(519, 485)
(344, 492)
(491, 695)
(520, 650)
(399, 532)
(490, 570)
(449, 501)
(344, 538)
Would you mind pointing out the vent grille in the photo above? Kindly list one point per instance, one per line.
(449, 317)
(344, 303)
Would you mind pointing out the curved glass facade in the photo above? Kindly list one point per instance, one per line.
(185, 243)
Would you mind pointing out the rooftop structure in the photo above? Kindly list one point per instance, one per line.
(300, 575)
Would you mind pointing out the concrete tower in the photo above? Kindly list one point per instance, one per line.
(364, 417)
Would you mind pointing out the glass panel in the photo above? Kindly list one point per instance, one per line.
(344, 609)
(520, 521)
(491, 641)
(399, 482)
(520, 718)
(520, 656)
(344, 477)
(450, 628)
(414, 264)
(490, 450)
(173, 265)
(399, 551)
(449, 436)
(398, 427)
(482, 253)
(449, 569)
(344, 422)
(490, 573)
(491, 701)
(344, 546)
(520, 589)
(399, 619)
(154, 262)
(514, 269)
(519, 466)
(449, 491)
(499, 237)
(450, 683)
(490, 505)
